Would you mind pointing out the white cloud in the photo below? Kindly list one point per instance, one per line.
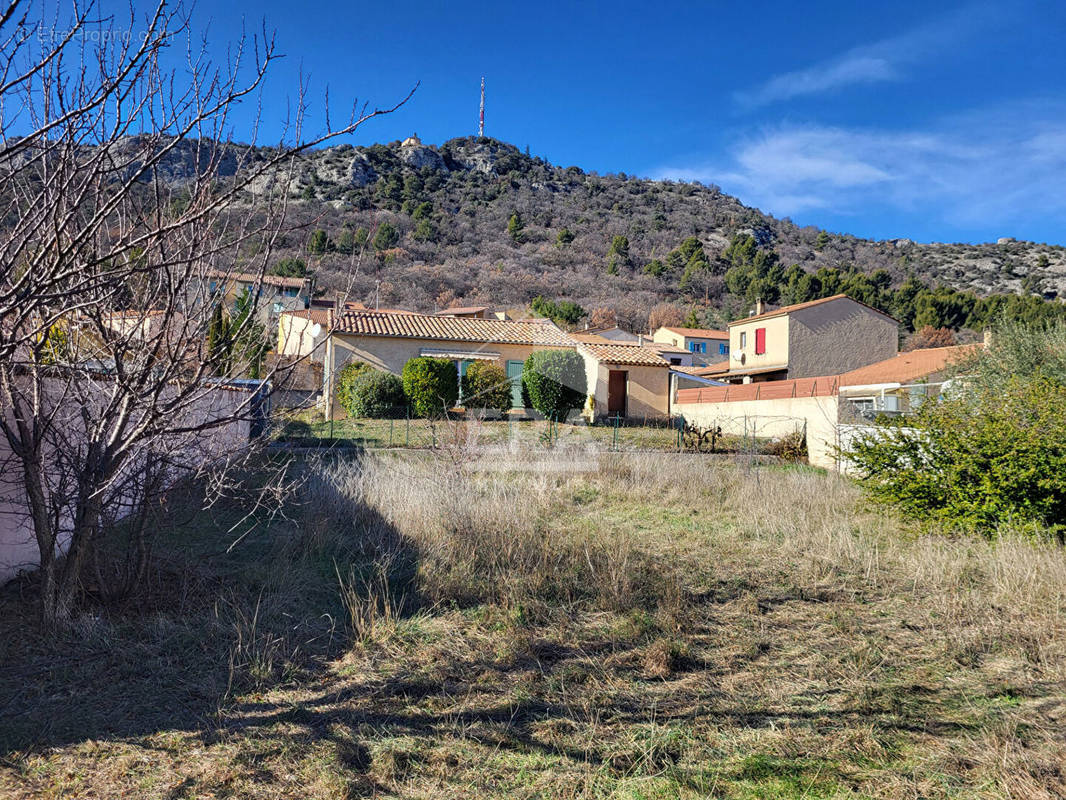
(875, 62)
(989, 168)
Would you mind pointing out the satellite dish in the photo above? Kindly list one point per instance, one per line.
(316, 329)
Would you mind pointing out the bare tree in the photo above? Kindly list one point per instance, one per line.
(128, 212)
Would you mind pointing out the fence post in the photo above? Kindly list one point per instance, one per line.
(391, 423)
(614, 442)
(407, 435)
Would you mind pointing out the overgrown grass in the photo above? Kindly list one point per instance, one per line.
(556, 624)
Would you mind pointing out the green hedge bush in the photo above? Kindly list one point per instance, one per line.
(345, 380)
(431, 385)
(377, 394)
(981, 457)
(486, 385)
(555, 381)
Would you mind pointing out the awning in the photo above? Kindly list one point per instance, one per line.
(460, 355)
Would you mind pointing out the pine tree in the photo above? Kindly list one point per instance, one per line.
(516, 228)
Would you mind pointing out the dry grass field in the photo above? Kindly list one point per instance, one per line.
(557, 625)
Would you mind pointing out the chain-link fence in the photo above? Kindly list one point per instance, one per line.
(400, 429)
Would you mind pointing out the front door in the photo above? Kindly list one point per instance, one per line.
(617, 379)
(514, 373)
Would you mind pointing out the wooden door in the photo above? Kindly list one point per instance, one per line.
(617, 379)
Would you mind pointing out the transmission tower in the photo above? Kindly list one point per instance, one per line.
(481, 115)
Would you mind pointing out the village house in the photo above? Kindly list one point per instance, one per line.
(625, 380)
(828, 410)
(821, 337)
(387, 341)
(276, 294)
(706, 346)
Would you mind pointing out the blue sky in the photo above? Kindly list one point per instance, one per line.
(934, 121)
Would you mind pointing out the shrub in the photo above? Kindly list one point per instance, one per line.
(345, 380)
(555, 380)
(486, 385)
(431, 385)
(981, 457)
(790, 447)
(376, 393)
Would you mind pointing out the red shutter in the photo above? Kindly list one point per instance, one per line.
(760, 341)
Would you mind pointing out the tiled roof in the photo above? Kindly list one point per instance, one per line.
(252, 277)
(662, 347)
(763, 390)
(323, 316)
(587, 336)
(452, 329)
(714, 369)
(808, 304)
(699, 333)
(908, 367)
(628, 354)
(462, 310)
(903, 368)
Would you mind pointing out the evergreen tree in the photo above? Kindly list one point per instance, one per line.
(386, 237)
(564, 238)
(516, 228)
(319, 243)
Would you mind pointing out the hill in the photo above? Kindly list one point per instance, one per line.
(477, 221)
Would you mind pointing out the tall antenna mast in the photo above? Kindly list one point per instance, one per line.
(481, 115)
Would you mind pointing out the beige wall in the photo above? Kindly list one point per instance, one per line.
(777, 343)
(18, 545)
(773, 419)
(647, 388)
(295, 339)
(836, 337)
(712, 356)
(391, 353)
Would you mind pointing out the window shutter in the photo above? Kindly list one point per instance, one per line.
(760, 341)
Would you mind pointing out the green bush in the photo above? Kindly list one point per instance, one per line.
(375, 393)
(431, 385)
(980, 457)
(345, 380)
(555, 381)
(486, 385)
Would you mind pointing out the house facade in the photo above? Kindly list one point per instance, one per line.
(823, 337)
(387, 341)
(276, 294)
(706, 346)
(625, 380)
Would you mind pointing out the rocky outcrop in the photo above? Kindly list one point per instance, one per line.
(360, 172)
(417, 156)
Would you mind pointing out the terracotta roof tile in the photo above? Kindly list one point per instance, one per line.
(454, 329)
(269, 280)
(908, 367)
(461, 310)
(629, 354)
(699, 333)
(808, 304)
(323, 316)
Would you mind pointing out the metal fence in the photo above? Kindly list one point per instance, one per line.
(400, 429)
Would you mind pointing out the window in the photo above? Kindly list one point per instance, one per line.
(760, 341)
(291, 291)
(675, 361)
(743, 339)
(723, 349)
(697, 347)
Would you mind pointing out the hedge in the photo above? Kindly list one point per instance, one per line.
(431, 385)
(375, 393)
(345, 380)
(555, 381)
(486, 385)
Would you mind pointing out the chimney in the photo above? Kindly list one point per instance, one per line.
(640, 339)
(759, 307)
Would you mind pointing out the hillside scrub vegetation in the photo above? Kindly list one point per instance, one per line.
(480, 222)
(552, 624)
(992, 449)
